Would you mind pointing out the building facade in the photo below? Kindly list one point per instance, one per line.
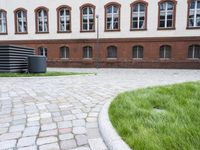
(106, 33)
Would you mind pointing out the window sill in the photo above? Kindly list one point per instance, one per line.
(138, 59)
(173, 28)
(21, 32)
(165, 59)
(138, 29)
(64, 31)
(82, 31)
(63, 59)
(111, 59)
(4, 33)
(192, 28)
(118, 30)
(87, 59)
(41, 32)
(194, 59)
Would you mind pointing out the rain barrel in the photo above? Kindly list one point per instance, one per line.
(37, 64)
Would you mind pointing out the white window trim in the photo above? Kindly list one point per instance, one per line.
(166, 11)
(88, 15)
(112, 17)
(22, 20)
(42, 18)
(65, 16)
(3, 22)
(138, 16)
(195, 14)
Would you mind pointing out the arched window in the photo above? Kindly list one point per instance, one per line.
(87, 52)
(3, 22)
(165, 51)
(64, 19)
(64, 52)
(20, 20)
(42, 23)
(194, 51)
(167, 13)
(43, 51)
(112, 52)
(194, 14)
(139, 15)
(87, 17)
(137, 52)
(112, 18)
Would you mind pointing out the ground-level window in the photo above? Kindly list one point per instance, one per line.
(87, 52)
(3, 22)
(165, 51)
(43, 51)
(137, 52)
(194, 52)
(112, 52)
(64, 52)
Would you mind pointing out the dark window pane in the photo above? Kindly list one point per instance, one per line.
(112, 52)
(169, 23)
(137, 52)
(162, 23)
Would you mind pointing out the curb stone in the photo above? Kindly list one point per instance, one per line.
(109, 134)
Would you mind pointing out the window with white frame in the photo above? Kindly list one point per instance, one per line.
(64, 20)
(88, 19)
(113, 17)
(43, 51)
(167, 12)
(194, 52)
(3, 23)
(194, 13)
(21, 21)
(64, 52)
(165, 52)
(138, 16)
(42, 20)
(87, 52)
(138, 52)
(112, 52)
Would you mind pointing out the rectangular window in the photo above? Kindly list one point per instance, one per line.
(3, 26)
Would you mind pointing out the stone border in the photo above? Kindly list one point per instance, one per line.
(109, 134)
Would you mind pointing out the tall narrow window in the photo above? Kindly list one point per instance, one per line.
(112, 18)
(194, 52)
(167, 12)
(87, 52)
(137, 52)
(42, 20)
(21, 21)
(194, 14)
(112, 52)
(138, 15)
(64, 19)
(64, 52)
(87, 17)
(3, 22)
(165, 52)
(43, 51)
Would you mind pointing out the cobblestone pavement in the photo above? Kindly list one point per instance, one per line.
(61, 112)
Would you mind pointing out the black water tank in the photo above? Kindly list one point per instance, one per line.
(37, 64)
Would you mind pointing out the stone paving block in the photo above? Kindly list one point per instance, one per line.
(65, 130)
(66, 136)
(81, 140)
(91, 119)
(26, 141)
(9, 136)
(93, 133)
(28, 148)
(68, 144)
(64, 124)
(52, 146)
(3, 130)
(31, 131)
(48, 133)
(92, 125)
(16, 128)
(69, 117)
(97, 144)
(78, 123)
(79, 130)
(48, 126)
(46, 140)
(7, 144)
(81, 116)
(81, 148)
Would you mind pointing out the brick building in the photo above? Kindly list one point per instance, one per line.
(107, 33)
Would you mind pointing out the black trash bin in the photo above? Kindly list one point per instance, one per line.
(37, 64)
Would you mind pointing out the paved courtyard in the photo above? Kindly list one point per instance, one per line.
(50, 113)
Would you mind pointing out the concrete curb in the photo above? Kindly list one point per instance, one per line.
(110, 136)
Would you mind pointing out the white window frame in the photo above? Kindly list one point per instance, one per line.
(22, 20)
(43, 51)
(112, 15)
(64, 49)
(42, 20)
(137, 52)
(138, 14)
(3, 25)
(88, 16)
(195, 10)
(193, 52)
(66, 18)
(87, 48)
(166, 12)
(165, 52)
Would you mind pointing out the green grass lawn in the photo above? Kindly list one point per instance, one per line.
(41, 74)
(159, 118)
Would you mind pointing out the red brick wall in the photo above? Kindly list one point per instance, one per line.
(124, 47)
